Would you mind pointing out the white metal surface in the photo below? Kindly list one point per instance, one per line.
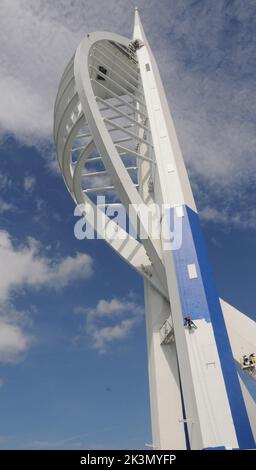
(164, 384)
(242, 331)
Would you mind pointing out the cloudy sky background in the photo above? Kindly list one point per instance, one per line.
(72, 340)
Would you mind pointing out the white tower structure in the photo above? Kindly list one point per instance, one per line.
(115, 137)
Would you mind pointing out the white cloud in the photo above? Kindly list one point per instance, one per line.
(29, 183)
(53, 165)
(5, 181)
(13, 342)
(24, 266)
(110, 320)
(34, 47)
(103, 336)
(15, 332)
(5, 206)
(105, 308)
(245, 220)
(24, 112)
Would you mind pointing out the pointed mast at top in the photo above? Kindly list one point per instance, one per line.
(177, 179)
(138, 31)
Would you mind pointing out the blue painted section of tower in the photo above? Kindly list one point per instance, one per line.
(200, 300)
(215, 448)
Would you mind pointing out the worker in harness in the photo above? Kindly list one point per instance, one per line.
(252, 359)
(189, 323)
(246, 361)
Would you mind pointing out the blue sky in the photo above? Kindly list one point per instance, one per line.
(73, 365)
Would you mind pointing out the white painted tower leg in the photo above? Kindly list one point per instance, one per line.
(164, 385)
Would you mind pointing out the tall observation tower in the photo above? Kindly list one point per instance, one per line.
(116, 139)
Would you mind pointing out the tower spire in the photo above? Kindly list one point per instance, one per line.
(138, 31)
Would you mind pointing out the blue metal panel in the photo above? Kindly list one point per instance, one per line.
(215, 448)
(200, 300)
